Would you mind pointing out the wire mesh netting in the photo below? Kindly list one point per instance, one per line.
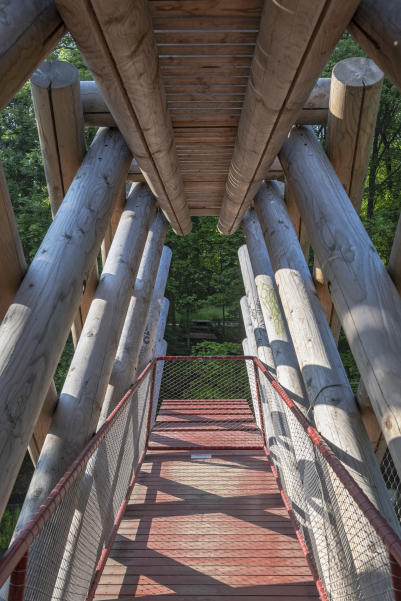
(208, 403)
(63, 558)
(350, 558)
(392, 481)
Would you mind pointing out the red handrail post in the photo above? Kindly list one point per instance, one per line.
(16, 590)
(395, 577)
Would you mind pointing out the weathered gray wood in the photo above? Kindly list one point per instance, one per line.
(372, 425)
(376, 27)
(354, 103)
(249, 366)
(152, 320)
(364, 296)
(295, 40)
(327, 386)
(29, 31)
(121, 54)
(134, 173)
(81, 399)
(158, 351)
(296, 220)
(114, 221)
(285, 359)
(58, 110)
(97, 113)
(129, 347)
(13, 268)
(394, 263)
(36, 326)
(161, 326)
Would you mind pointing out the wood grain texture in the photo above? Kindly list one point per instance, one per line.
(36, 326)
(296, 221)
(376, 28)
(13, 268)
(295, 40)
(58, 110)
(394, 263)
(117, 42)
(334, 408)
(29, 31)
(126, 361)
(84, 389)
(364, 296)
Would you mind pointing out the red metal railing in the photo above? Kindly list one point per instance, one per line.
(14, 562)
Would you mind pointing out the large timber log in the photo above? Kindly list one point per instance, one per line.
(296, 220)
(122, 56)
(376, 27)
(364, 296)
(158, 382)
(126, 361)
(29, 31)
(81, 399)
(114, 221)
(285, 359)
(295, 40)
(97, 113)
(13, 268)
(250, 348)
(35, 328)
(336, 415)
(354, 103)
(58, 110)
(394, 262)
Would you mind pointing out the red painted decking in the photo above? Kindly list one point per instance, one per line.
(205, 424)
(200, 528)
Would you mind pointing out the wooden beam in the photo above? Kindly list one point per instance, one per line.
(114, 221)
(81, 399)
(285, 359)
(126, 69)
(334, 408)
(29, 31)
(36, 326)
(13, 268)
(58, 111)
(250, 348)
(97, 113)
(364, 296)
(296, 221)
(376, 28)
(126, 361)
(295, 39)
(158, 381)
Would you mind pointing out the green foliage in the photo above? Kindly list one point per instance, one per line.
(7, 526)
(210, 348)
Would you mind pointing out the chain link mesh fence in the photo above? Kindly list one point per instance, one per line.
(64, 556)
(350, 558)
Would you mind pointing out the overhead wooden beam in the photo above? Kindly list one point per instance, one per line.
(58, 110)
(13, 268)
(126, 361)
(377, 29)
(35, 328)
(97, 113)
(354, 103)
(294, 43)
(29, 31)
(364, 296)
(81, 399)
(334, 408)
(121, 54)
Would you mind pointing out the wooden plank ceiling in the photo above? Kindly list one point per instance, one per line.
(205, 49)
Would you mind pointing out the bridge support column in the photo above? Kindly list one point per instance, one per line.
(158, 380)
(365, 298)
(327, 386)
(148, 282)
(36, 326)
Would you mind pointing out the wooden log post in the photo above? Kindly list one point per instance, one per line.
(285, 359)
(58, 110)
(296, 41)
(354, 103)
(13, 268)
(153, 317)
(81, 399)
(97, 113)
(250, 348)
(376, 27)
(161, 326)
(336, 415)
(365, 298)
(126, 362)
(36, 326)
(296, 220)
(158, 382)
(29, 31)
(121, 54)
(114, 221)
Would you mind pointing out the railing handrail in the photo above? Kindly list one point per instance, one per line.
(31, 531)
(385, 532)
